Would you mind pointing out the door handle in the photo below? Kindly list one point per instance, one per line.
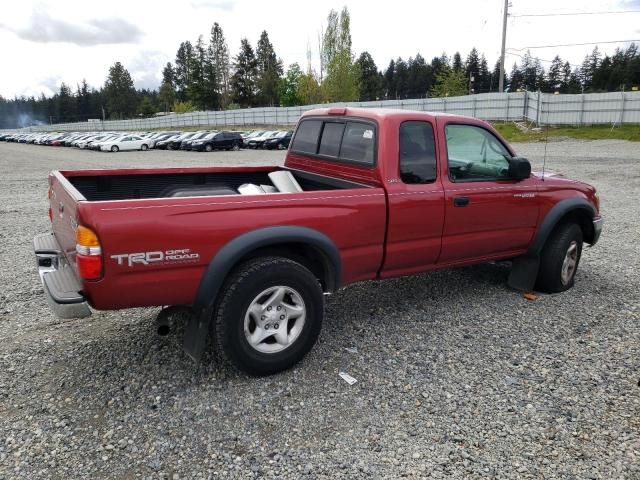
(460, 201)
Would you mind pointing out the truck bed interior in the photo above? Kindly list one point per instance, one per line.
(135, 186)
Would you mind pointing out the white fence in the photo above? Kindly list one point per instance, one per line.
(540, 108)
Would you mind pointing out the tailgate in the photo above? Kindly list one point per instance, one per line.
(63, 204)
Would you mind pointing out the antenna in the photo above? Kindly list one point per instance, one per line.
(546, 140)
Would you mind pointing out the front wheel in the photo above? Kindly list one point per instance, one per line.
(114, 149)
(144, 147)
(560, 258)
(235, 147)
(269, 316)
(208, 147)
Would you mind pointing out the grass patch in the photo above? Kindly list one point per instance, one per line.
(592, 132)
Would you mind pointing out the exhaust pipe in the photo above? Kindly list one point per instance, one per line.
(163, 322)
(170, 317)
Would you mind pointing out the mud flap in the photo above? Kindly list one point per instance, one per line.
(524, 272)
(196, 333)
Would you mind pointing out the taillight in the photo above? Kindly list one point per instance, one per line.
(50, 210)
(88, 254)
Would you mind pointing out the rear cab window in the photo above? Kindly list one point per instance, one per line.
(344, 140)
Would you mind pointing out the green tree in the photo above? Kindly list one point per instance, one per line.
(450, 84)
(243, 80)
(420, 77)
(554, 76)
(309, 90)
(183, 69)
(341, 82)
(119, 92)
(289, 86)
(183, 107)
(370, 85)
(146, 107)
(197, 92)
(269, 71)
(167, 93)
(218, 63)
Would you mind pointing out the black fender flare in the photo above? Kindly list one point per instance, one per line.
(197, 329)
(525, 268)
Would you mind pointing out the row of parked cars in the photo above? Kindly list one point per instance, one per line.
(201, 141)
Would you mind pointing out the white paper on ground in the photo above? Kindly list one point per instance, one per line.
(347, 378)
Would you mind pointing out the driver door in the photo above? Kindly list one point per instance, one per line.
(487, 214)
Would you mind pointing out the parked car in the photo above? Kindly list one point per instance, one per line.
(364, 194)
(186, 143)
(280, 141)
(125, 142)
(258, 141)
(218, 141)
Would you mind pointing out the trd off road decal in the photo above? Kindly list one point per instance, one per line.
(168, 257)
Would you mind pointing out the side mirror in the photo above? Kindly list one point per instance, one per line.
(519, 168)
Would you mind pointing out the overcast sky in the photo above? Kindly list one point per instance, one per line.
(43, 43)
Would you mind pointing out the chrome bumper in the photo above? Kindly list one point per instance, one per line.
(597, 229)
(61, 286)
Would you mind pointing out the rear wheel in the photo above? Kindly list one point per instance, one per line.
(235, 147)
(144, 147)
(560, 258)
(114, 148)
(269, 316)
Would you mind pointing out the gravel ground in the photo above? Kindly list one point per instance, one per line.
(458, 376)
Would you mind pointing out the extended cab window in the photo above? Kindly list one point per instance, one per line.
(347, 140)
(474, 154)
(417, 152)
(306, 139)
(331, 138)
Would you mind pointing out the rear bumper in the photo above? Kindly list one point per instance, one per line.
(61, 286)
(597, 229)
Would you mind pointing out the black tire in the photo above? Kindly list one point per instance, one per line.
(235, 147)
(243, 286)
(208, 147)
(169, 146)
(550, 274)
(144, 147)
(114, 148)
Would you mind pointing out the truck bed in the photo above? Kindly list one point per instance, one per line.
(128, 186)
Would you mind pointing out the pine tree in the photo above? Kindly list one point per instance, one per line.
(401, 78)
(167, 93)
(269, 71)
(390, 81)
(119, 92)
(218, 53)
(471, 69)
(197, 85)
(370, 87)
(420, 78)
(183, 69)
(555, 75)
(243, 80)
(457, 62)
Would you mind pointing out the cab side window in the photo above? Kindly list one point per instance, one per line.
(417, 152)
(475, 154)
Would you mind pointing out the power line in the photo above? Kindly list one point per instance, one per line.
(541, 59)
(572, 13)
(573, 44)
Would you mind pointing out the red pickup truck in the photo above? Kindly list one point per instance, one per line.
(364, 194)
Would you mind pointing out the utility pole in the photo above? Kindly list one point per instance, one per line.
(504, 42)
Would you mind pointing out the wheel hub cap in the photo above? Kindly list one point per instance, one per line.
(569, 263)
(274, 319)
